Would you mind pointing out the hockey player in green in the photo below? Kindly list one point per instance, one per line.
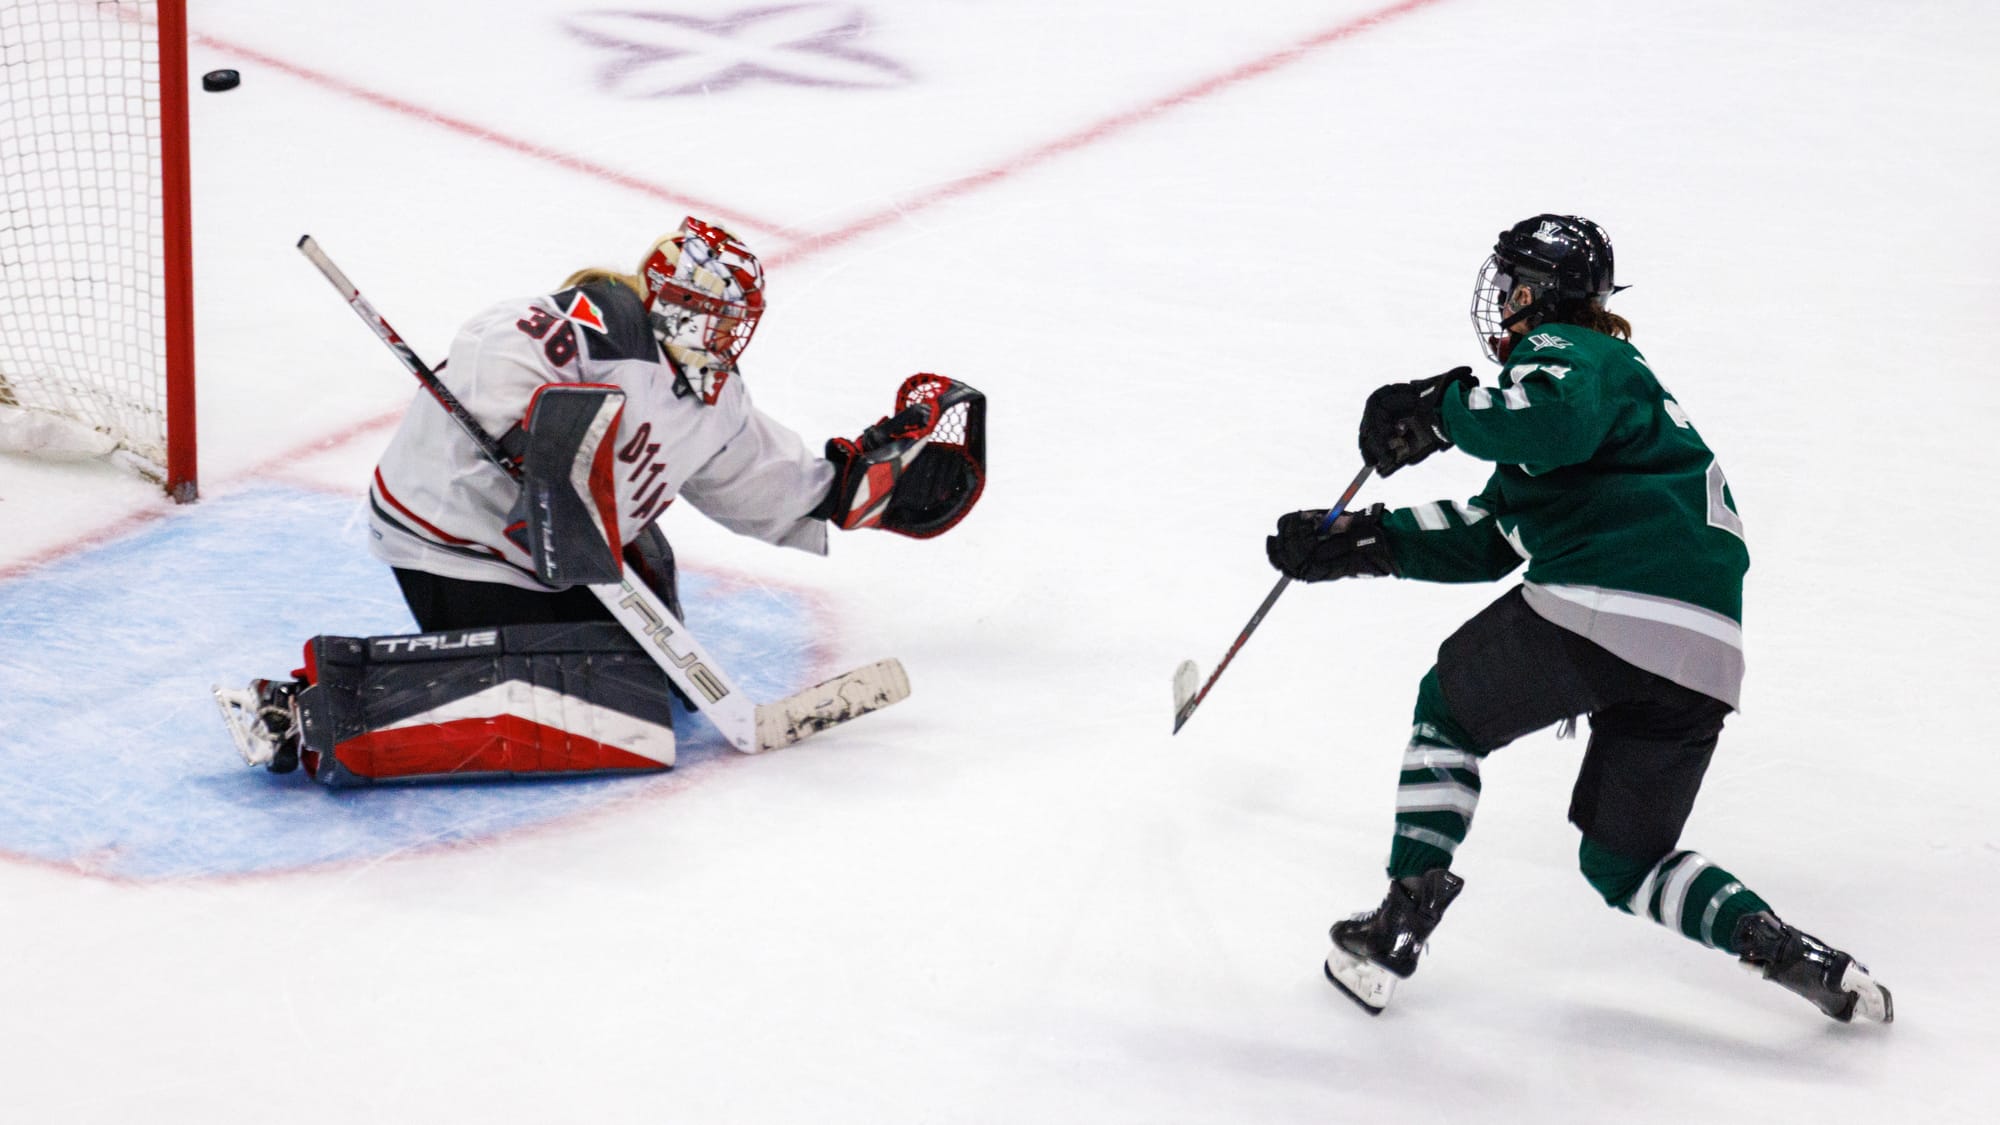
(1629, 612)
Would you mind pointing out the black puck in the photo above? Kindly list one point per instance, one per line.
(216, 81)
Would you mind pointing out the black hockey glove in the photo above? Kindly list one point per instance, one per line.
(916, 472)
(866, 468)
(1403, 422)
(1352, 548)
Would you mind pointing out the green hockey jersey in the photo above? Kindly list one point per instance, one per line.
(1604, 488)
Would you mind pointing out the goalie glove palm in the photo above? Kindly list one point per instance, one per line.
(916, 472)
(866, 469)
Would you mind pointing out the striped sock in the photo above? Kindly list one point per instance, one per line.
(1435, 799)
(1693, 897)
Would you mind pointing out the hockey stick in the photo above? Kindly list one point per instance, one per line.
(749, 726)
(1186, 698)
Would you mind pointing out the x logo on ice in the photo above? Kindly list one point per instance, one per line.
(664, 54)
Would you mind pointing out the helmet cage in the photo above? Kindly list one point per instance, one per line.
(704, 292)
(1492, 313)
(1545, 268)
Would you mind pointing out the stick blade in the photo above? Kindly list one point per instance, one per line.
(849, 695)
(1187, 680)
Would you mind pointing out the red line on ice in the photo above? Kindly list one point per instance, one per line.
(1100, 130)
(544, 153)
(807, 246)
(812, 244)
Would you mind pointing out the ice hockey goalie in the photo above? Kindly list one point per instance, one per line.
(615, 396)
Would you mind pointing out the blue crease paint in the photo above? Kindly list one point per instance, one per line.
(113, 761)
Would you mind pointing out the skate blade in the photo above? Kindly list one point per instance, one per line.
(239, 714)
(1872, 1001)
(1366, 983)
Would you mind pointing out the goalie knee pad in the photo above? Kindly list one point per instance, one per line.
(509, 701)
(650, 559)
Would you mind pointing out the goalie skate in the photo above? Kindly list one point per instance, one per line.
(263, 722)
(846, 696)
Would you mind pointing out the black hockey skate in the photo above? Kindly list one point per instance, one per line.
(1835, 982)
(1372, 951)
(263, 720)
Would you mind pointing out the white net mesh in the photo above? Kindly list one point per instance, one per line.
(82, 291)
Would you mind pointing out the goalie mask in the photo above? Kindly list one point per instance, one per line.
(704, 293)
(1550, 267)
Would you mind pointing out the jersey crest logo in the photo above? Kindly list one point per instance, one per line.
(583, 311)
(1547, 340)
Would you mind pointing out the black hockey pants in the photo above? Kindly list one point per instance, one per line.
(1508, 672)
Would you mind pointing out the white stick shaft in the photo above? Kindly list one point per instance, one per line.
(682, 658)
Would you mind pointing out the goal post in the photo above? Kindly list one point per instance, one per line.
(96, 259)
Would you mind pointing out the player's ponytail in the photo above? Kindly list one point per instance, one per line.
(1597, 318)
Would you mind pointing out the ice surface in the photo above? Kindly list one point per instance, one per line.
(1176, 244)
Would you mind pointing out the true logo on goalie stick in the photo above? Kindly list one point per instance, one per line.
(660, 631)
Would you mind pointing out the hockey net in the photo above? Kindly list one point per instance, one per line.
(96, 343)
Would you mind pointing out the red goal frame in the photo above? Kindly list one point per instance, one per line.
(177, 226)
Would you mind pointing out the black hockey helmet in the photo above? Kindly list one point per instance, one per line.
(1550, 267)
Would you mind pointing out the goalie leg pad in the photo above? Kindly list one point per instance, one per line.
(511, 701)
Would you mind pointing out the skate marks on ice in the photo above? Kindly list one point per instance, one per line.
(112, 762)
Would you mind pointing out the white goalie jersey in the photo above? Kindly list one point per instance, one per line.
(438, 505)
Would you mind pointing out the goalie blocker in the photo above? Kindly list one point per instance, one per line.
(566, 517)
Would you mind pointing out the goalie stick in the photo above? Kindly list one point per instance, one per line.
(749, 726)
(1186, 698)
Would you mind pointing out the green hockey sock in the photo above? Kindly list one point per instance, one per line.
(1684, 892)
(1437, 792)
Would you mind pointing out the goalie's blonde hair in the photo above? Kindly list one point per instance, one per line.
(592, 274)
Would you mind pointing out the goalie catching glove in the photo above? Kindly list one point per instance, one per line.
(916, 472)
